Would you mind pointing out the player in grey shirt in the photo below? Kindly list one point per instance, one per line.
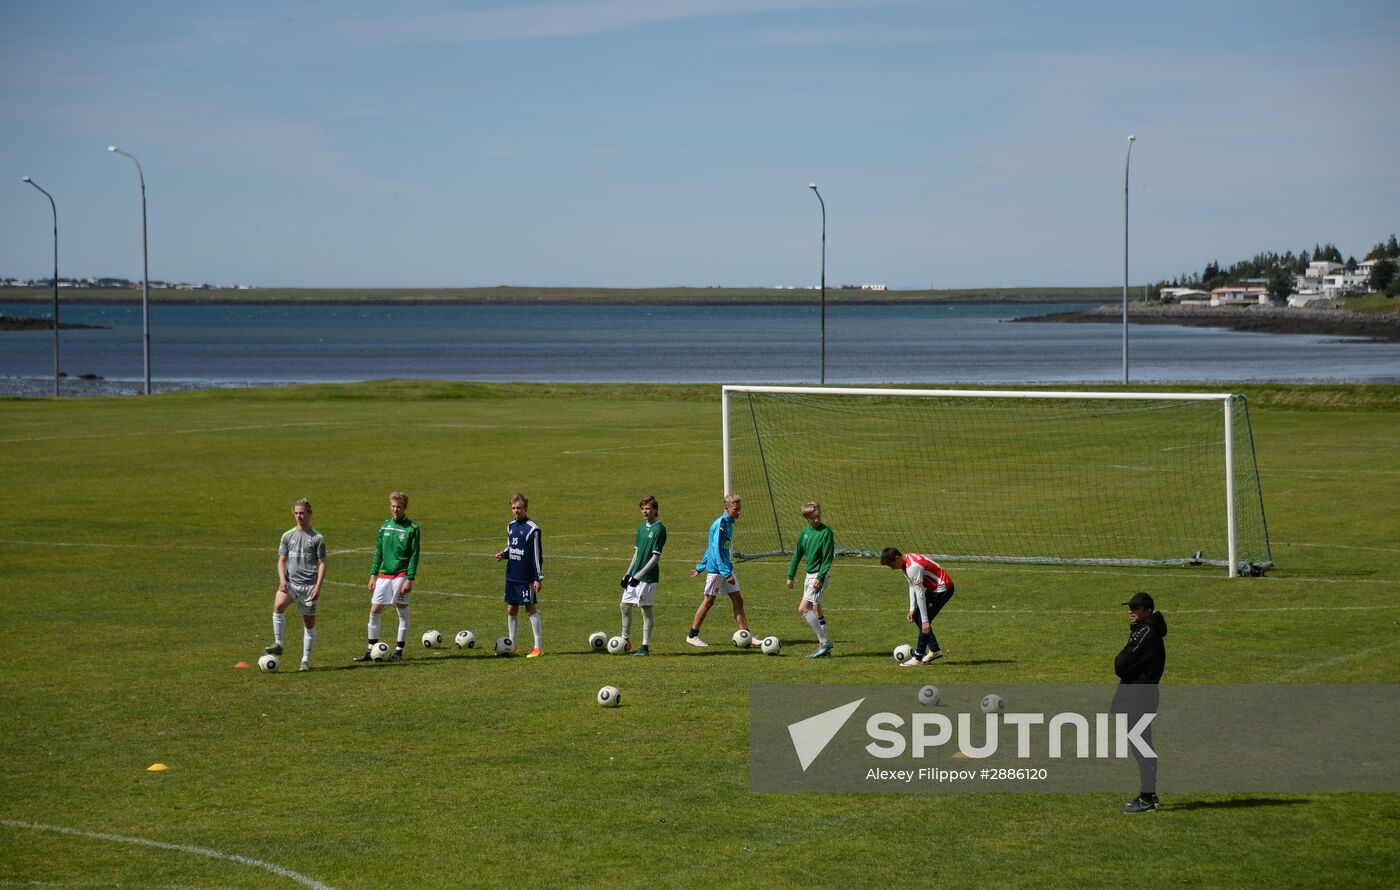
(301, 569)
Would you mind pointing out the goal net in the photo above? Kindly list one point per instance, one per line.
(1000, 476)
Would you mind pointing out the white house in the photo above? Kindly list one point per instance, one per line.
(1189, 295)
(1239, 296)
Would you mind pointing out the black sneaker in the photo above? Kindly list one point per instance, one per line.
(274, 649)
(365, 656)
(397, 656)
(641, 651)
(1143, 803)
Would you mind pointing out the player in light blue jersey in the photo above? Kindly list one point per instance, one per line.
(719, 571)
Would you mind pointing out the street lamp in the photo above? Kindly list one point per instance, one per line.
(1126, 165)
(54, 207)
(145, 273)
(822, 372)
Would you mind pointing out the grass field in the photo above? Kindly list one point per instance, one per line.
(139, 546)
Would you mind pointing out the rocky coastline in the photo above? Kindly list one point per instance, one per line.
(1379, 328)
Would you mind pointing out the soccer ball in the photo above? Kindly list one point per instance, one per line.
(903, 652)
(432, 640)
(743, 639)
(269, 664)
(930, 696)
(380, 651)
(992, 704)
(505, 646)
(597, 641)
(771, 646)
(610, 696)
(616, 645)
(466, 639)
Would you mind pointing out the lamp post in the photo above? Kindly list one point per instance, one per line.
(145, 274)
(1126, 165)
(822, 366)
(54, 207)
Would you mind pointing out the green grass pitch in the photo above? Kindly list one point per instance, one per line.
(139, 553)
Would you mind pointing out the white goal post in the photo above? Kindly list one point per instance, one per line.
(1099, 478)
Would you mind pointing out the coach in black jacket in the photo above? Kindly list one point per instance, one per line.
(1139, 668)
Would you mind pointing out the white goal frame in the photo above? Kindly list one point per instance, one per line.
(1225, 399)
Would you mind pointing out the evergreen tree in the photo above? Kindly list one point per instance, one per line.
(1382, 274)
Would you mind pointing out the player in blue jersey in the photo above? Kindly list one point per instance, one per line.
(524, 572)
(719, 571)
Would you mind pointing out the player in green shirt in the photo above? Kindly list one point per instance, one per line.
(643, 572)
(818, 544)
(392, 572)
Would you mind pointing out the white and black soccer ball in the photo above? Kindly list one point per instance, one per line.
(269, 663)
(992, 704)
(380, 651)
(742, 638)
(903, 652)
(432, 640)
(929, 696)
(771, 646)
(610, 696)
(616, 645)
(466, 639)
(597, 641)
(505, 646)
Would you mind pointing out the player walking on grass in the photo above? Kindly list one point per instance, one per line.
(524, 573)
(301, 569)
(1139, 667)
(392, 573)
(643, 573)
(719, 571)
(930, 588)
(818, 544)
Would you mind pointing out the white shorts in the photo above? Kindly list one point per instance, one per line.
(717, 585)
(300, 593)
(812, 591)
(639, 594)
(389, 591)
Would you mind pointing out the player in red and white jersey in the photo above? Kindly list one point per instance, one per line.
(930, 588)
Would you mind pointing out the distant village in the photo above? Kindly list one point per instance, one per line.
(1323, 281)
(115, 283)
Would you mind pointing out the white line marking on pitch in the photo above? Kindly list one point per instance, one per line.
(179, 848)
(212, 429)
(1340, 659)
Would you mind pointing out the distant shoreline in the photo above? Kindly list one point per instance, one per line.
(566, 296)
(1377, 328)
(31, 323)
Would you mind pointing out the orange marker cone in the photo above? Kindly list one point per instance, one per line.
(242, 664)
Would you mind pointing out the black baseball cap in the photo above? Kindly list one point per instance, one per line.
(1140, 599)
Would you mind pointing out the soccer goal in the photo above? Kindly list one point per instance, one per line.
(1001, 476)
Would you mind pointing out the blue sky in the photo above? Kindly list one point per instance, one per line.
(636, 143)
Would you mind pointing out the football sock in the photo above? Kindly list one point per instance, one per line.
(626, 622)
(646, 625)
(373, 626)
(512, 624)
(815, 624)
(694, 632)
(537, 628)
(403, 624)
(279, 624)
(308, 639)
(821, 631)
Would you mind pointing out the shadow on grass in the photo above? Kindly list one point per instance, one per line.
(1246, 803)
